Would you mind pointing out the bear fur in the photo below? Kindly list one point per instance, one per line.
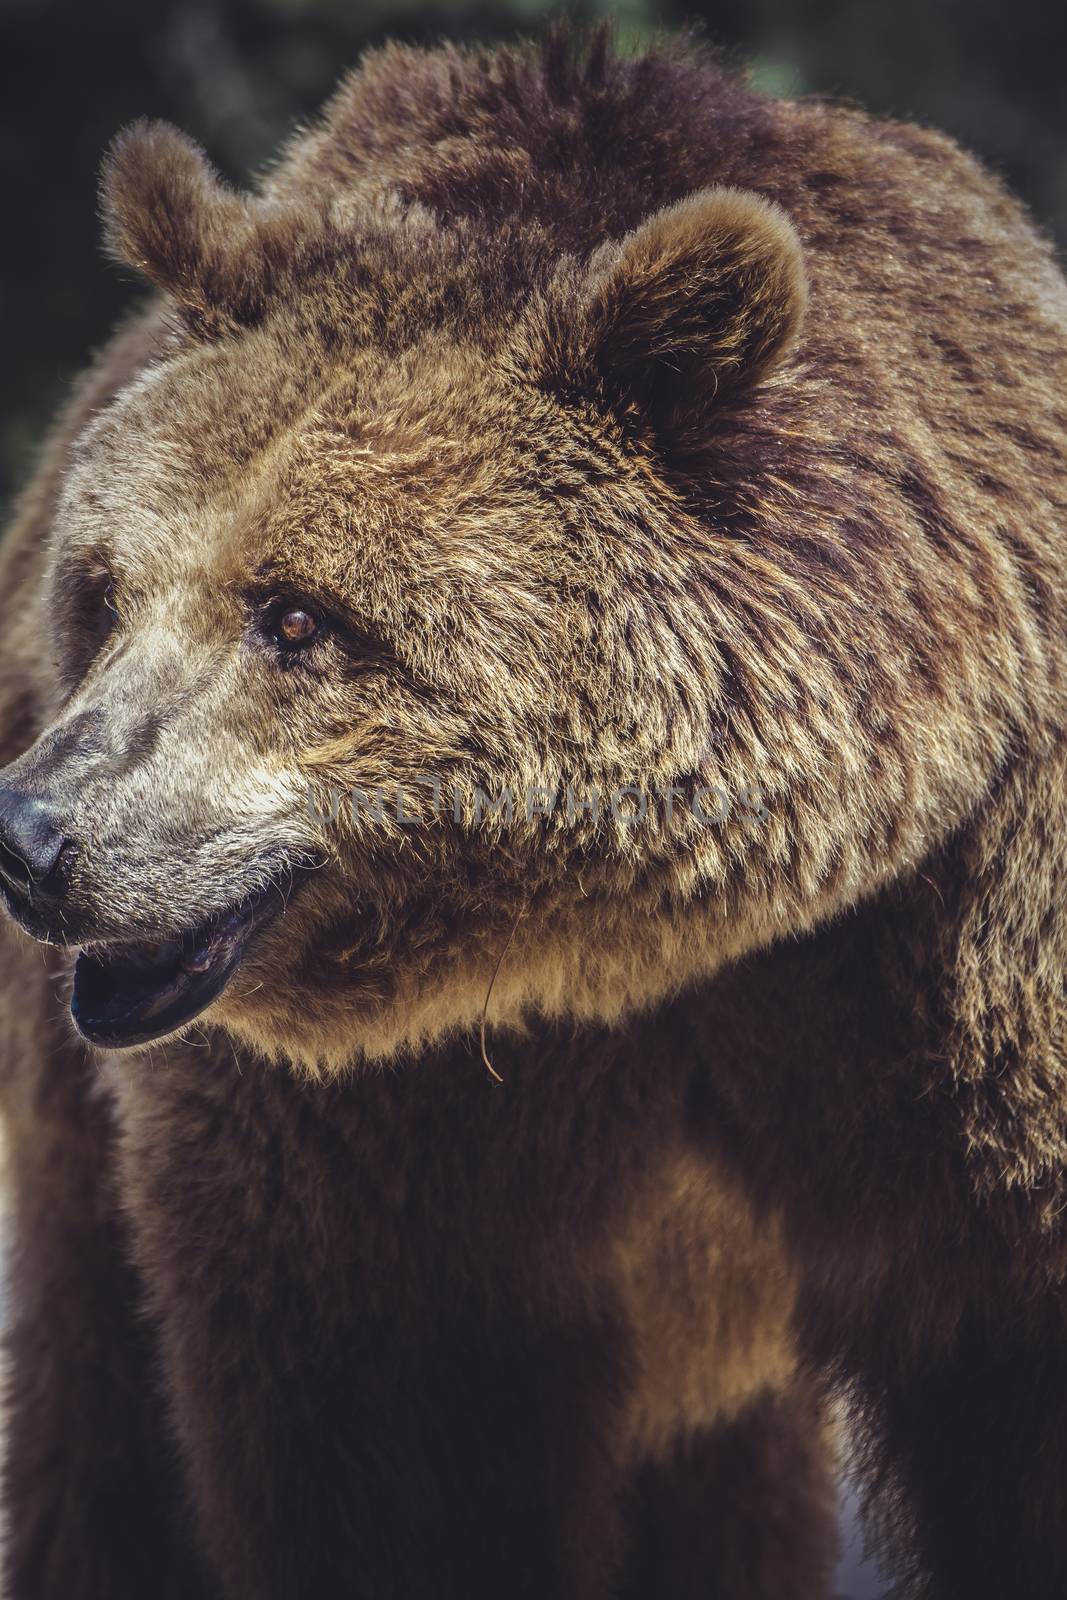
(613, 430)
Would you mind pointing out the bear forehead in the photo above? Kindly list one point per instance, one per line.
(431, 470)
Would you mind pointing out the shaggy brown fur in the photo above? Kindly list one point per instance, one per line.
(618, 429)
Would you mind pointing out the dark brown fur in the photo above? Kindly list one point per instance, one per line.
(643, 431)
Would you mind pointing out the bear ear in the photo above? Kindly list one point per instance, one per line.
(168, 214)
(696, 306)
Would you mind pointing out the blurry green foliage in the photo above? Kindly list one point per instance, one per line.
(239, 73)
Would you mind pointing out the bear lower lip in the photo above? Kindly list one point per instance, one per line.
(131, 994)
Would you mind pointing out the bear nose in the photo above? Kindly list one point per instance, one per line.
(31, 840)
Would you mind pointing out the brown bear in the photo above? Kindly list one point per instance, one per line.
(533, 688)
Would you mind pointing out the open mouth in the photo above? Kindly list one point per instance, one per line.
(127, 994)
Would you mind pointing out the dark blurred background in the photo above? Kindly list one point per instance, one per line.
(239, 73)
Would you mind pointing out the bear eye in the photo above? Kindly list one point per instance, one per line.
(294, 626)
(297, 626)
